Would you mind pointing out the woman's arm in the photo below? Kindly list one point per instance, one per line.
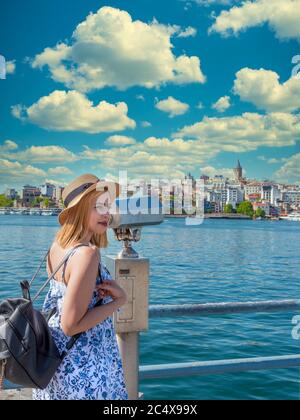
(76, 317)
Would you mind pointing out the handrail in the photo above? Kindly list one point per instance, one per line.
(218, 367)
(159, 311)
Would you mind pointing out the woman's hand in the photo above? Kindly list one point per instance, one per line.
(111, 288)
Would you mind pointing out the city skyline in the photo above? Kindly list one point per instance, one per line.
(194, 93)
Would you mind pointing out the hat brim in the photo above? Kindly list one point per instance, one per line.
(113, 186)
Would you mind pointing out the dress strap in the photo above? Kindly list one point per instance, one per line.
(65, 264)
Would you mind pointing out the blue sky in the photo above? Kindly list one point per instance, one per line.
(160, 88)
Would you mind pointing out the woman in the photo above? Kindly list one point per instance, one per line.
(92, 370)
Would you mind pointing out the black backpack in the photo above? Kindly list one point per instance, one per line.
(29, 356)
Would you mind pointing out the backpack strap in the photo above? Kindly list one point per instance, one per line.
(53, 273)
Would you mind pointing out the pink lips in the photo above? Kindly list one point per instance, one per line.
(103, 224)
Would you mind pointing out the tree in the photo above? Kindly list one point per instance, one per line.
(260, 213)
(228, 209)
(5, 202)
(46, 202)
(246, 208)
(36, 202)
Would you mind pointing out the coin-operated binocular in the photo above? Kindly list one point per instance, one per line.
(131, 272)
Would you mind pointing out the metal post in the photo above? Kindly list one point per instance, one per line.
(129, 349)
(132, 274)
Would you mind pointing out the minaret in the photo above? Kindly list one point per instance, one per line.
(238, 172)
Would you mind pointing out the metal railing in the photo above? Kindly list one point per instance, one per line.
(220, 366)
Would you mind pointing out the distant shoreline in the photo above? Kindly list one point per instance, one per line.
(212, 216)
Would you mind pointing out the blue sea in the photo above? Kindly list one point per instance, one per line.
(219, 261)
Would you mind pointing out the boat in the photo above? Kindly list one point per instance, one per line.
(292, 217)
(46, 213)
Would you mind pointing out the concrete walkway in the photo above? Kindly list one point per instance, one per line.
(23, 394)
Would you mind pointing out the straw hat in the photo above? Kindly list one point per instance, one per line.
(80, 187)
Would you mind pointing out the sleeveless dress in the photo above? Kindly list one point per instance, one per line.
(92, 369)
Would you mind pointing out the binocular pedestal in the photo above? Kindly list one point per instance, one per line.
(132, 274)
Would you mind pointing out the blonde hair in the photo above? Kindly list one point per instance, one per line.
(75, 227)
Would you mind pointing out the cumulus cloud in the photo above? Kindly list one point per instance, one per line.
(196, 145)
(60, 170)
(290, 171)
(10, 67)
(7, 146)
(188, 32)
(172, 106)
(246, 132)
(282, 16)
(73, 111)
(263, 89)
(222, 104)
(119, 140)
(15, 171)
(38, 154)
(109, 48)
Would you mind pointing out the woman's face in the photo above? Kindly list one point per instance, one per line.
(100, 215)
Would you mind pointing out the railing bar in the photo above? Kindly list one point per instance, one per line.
(218, 367)
(156, 311)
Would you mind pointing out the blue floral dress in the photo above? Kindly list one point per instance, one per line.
(92, 370)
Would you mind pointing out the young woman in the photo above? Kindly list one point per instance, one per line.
(92, 370)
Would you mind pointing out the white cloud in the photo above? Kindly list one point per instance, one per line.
(212, 171)
(60, 170)
(200, 105)
(188, 32)
(140, 97)
(283, 16)
(38, 154)
(222, 104)
(209, 3)
(10, 67)
(146, 124)
(245, 133)
(73, 111)
(263, 89)
(271, 161)
(8, 146)
(119, 140)
(290, 171)
(15, 171)
(172, 106)
(109, 48)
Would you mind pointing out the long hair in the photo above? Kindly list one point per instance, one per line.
(76, 225)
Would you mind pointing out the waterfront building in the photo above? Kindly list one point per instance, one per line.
(11, 193)
(48, 190)
(235, 196)
(58, 193)
(270, 193)
(253, 188)
(264, 206)
(29, 193)
(291, 197)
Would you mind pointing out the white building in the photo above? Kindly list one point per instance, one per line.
(254, 188)
(11, 193)
(235, 196)
(48, 190)
(271, 194)
(291, 197)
